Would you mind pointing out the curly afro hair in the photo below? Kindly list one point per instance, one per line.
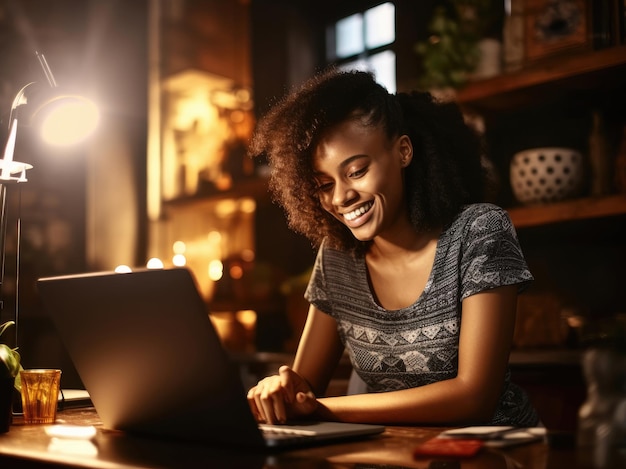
(445, 173)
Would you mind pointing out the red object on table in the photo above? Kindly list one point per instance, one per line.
(448, 447)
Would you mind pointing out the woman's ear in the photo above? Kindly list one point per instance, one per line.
(405, 148)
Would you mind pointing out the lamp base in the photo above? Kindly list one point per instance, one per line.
(6, 403)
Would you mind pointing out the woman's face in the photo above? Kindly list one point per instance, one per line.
(359, 177)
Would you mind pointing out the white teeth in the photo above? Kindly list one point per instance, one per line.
(358, 212)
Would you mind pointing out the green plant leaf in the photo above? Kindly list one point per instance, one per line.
(4, 326)
(9, 358)
(451, 53)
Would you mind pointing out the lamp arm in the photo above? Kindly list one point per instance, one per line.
(7, 165)
(18, 101)
(46, 69)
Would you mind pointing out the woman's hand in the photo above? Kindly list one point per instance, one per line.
(278, 398)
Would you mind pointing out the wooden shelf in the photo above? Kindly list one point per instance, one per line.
(260, 306)
(545, 357)
(571, 72)
(577, 209)
(255, 188)
(601, 72)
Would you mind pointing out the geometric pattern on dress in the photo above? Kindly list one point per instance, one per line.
(409, 336)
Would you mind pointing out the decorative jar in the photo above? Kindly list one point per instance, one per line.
(544, 175)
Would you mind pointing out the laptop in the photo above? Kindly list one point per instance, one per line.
(145, 348)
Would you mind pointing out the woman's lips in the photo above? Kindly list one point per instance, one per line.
(358, 212)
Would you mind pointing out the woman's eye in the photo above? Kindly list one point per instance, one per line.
(325, 187)
(358, 173)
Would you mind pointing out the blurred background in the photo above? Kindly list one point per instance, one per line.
(165, 180)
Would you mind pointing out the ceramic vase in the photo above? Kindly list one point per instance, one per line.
(545, 175)
(490, 64)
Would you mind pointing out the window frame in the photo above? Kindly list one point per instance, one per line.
(366, 54)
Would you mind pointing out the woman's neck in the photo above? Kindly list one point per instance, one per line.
(403, 242)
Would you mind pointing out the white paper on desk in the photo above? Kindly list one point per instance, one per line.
(69, 395)
(498, 436)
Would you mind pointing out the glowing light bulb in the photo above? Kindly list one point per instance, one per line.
(69, 120)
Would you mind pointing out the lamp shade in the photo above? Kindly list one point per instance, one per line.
(66, 119)
(59, 117)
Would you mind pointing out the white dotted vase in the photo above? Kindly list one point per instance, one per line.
(544, 175)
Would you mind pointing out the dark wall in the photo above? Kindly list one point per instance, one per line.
(288, 43)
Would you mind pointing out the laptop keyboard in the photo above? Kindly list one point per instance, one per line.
(284, 433)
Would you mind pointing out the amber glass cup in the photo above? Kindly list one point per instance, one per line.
(40, 394)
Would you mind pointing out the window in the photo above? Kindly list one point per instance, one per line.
(363, 41)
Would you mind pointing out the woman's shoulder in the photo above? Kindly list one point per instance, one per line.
(478, 219)
(328, 253)
(482, 213)
(478, 209)
(333, 270)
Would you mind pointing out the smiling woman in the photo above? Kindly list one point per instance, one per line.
(415, 277)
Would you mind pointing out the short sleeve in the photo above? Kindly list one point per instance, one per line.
(316, 292)
(491, 254)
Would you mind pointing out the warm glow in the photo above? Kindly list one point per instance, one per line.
(70, 446)
(215, 237)
(247, 255)
(123, 269)
(247, 205)
(236, 272)
(68, 120)
(216, 270)
(225, 208)
(179, 260)
(247, 318)
(222, 322)
(179, 247)
(193, 132)
(154, 263)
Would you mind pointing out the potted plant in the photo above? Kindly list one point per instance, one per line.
(452, 52)
(10, 367)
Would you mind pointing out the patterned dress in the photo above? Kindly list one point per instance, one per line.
(418, 345)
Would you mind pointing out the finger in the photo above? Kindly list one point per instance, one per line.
(253, 406)
(258, 404)
(279, 397)
(260, 393)
(268, 411)
(286, 379)
(307, 402)
(306, 398)
(271, 400)
(280, 410)
(302, 397)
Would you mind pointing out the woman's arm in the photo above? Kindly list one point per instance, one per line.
(487, 324)
(319, 350)
(292, 392)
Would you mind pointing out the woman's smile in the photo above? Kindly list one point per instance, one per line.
(358, 212)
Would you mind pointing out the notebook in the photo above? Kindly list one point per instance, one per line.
(147, 353)
(69, 398)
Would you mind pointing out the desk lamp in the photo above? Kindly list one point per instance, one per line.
(62, 119)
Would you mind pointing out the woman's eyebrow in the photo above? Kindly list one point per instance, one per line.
(343, 164)
(349, 160)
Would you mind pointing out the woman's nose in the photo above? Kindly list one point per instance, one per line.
(343, 194)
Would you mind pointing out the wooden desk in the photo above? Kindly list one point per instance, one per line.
(28, 446)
